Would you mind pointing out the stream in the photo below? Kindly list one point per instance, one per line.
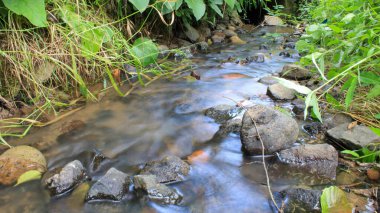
(167, 118)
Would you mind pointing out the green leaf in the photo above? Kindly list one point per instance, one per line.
(312, 101)
(377, 116)
(198, 7)
(144, 51)
(33, 10)
(375, 130)
(334, 103)
(216, 9)
(28, 176)
(369, 78)
(374, 92)
(91, 41)
(291, 85)
(350, 152)
(334, 199)
(230, 3)
(169, 6)
(351, 92)
(348, 18)
(140, 5)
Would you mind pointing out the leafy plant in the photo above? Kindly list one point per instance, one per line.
(364, 155)
(33, 10)
(333, 200)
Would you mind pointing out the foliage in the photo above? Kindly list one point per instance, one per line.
(334, 199)
(364, 155)
(33, 10)
(342, 44)
(28, 176)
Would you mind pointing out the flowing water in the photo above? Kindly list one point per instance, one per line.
(167, 118)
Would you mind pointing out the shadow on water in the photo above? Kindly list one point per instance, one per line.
(167, 119)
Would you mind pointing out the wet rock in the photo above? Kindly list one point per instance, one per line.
(355, 138)
(277, 130)
(298, 107)
(273, 21)
(64, 179)
(169, 169)
(233, 125)
(156, 191)
(229, 33)
(112, 186)
(280, 92)
(334, 120)
(295, 72)
(204, 31)
(191, 33)
(299, 200)
(220, 27)
(285, 54)
(314, 128)
(318, 159)
(218, 37)
(92, 160)
(18, 160)
(222, 113)
(263, 47)
(268, 80)
(230, 27)
(202, 46)
(290, 45)
(237, 40)
(70, 126)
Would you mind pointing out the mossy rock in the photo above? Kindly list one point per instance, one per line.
(25, 153)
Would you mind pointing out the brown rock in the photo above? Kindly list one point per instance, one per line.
(237, 40)
(373, 174)
(12, 168)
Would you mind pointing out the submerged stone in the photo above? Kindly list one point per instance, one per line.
(64, 179)
(299, 200)
(222, 113)
(112, 186)
(277, 130)
(156, 191)
(318, 159)
(268, 80)
(169, 169)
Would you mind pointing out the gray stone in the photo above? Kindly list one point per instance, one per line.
(298, 107)
(156, 191)
(112, 186)
(191, 33)
(222, 113)
(220, 27)
(334, 120)
(299, 200)
(318, 159)
(277, 130)
(258, 58)
(233, 125)
(295, 72)
(202, 46)
(64, 179)
(169, 169)
(229, 33)
(280, 92)
(218, 37)
(273, 20)
(355, 138)
(268, 80)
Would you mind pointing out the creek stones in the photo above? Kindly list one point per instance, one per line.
(355, 138)
(318, 159)
(191, 33)
(299, 200)
(222, 113)
(334, 120)
(18, 160)
(169, 169)
(280, 92)
(273, 21)
(233, 125)
(112, 186)
(268, 80)
(218, 37)
(295, 72)
(277, 130)
(229, 33)
(237, 40)
(64, 179)
(298, 107)
(156, 191)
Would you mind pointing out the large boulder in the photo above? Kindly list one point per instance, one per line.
(112, 186)
(295, 72)
(318, 159)
(169, 169)
(64, 179)
(355, 138)
(280, 92)
(191, 33)
(299, 200)
(273, 21)
(156, 191)
(277, 130)
(18, 160)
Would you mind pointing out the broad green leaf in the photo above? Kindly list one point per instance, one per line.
(291, 85)
(334, 103)
(230, 3)
(198, 7)
(335, 28)
(374, 92)
(169, 6)
(334, 200)
(140, 5)
(369, 78)
(144, 51)
(33, 10)
(350, 152)
(348, 18)
(375, 130)
(312, 101)
(351, 92)
(216, 9)
(91, 41)
(377, 116)
(28, 176)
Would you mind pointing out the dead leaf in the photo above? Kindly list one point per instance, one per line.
(352, 125)
(234, 76)
(198, 156)
(116, 75)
